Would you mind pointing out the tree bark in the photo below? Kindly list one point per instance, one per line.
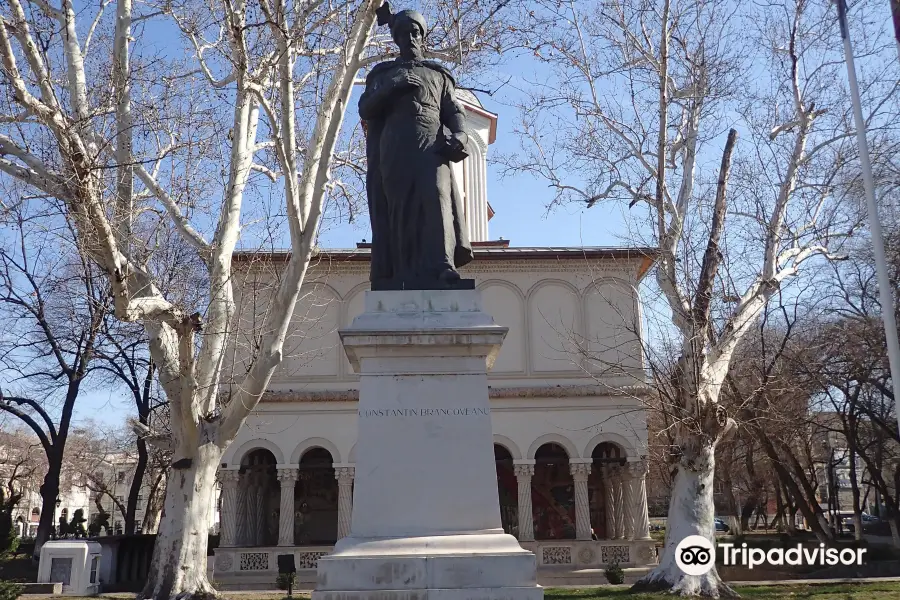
(691, 511)
(154, 505)
(895, 530)
(49, 492)
(179, 555)
(137, 482)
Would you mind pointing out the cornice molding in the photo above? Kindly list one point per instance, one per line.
(495, 393)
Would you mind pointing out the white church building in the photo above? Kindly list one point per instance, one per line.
(567, 392)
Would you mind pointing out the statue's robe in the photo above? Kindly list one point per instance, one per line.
(416, 210)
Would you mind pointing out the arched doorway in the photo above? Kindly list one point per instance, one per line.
(507, 490)
(603, 456)
(552, 494)
(316, 499)
(260, 476)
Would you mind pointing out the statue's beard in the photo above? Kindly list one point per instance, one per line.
(413, 51)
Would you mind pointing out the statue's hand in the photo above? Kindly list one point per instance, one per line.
(406, 79)
(457, 141)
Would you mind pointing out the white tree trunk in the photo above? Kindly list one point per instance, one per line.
(179, 557)
(895, 532)
(691, 512)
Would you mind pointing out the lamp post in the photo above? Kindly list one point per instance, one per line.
(53, 528)
(828, 459)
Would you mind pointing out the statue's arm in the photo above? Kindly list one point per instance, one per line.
(372, 100)
(452, 115)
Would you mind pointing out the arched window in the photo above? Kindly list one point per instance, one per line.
(316, 499)
(553, 494)
(507, 488)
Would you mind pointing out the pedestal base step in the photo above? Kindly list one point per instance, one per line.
(478, 566)
(507, 593)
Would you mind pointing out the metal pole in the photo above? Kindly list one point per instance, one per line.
(884, 280)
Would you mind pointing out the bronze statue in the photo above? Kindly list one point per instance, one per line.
(414, 130)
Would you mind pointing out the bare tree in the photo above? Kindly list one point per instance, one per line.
(770, 396)
(848, 358)
(143, 146)
(638, 98)
(20, 463)
(125, 359)
(52, 309)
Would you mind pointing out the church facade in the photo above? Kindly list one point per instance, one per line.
(567, 402)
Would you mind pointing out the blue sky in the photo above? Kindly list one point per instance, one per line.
(520, 204)
(521, 216)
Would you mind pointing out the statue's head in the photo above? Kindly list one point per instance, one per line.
(408, 28)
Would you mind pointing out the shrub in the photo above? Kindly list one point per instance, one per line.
(10, 590)
(26, 546)
(284, 581)
(614, 573)
(9, 543)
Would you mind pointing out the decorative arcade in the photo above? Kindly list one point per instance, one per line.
(576, 512)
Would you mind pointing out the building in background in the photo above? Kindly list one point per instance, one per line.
(92, 480)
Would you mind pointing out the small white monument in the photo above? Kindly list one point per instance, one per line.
(426, 517)
(74, 563)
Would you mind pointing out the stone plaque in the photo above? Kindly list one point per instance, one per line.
(61, 571)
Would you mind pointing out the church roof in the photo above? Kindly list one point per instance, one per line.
(493, 250)
(496, 251)
(468, 96)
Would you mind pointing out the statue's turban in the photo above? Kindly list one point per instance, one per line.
(410, 15)
(385, 17)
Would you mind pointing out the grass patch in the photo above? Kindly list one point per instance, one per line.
(19, 569)
(850, 591)
(844, 591)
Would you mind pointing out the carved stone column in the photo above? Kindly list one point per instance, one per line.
(228, 514)
(618, 490)
(344, 476)
(242, 529)
(288, 479)
(609, 497)
(580, 473)
(629, 500)
(641, 517)
(257, 503)
(524, 473)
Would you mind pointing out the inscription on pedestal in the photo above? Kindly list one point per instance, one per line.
(425, 412)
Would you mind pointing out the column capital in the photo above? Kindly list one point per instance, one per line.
(523, 470)
(638, 468)
(580, 471)
(344, 473)
(524, 461)
(229, 477)
(288, 475)
(617, 471)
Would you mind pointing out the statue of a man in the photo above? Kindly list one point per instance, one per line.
(414, 130)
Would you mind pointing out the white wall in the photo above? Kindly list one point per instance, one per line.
(551, 305)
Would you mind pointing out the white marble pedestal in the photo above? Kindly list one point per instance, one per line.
(426, 516)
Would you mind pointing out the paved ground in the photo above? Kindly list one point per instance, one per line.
(785, 582)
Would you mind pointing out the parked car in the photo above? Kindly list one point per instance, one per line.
(721, 526)
(867, 521)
